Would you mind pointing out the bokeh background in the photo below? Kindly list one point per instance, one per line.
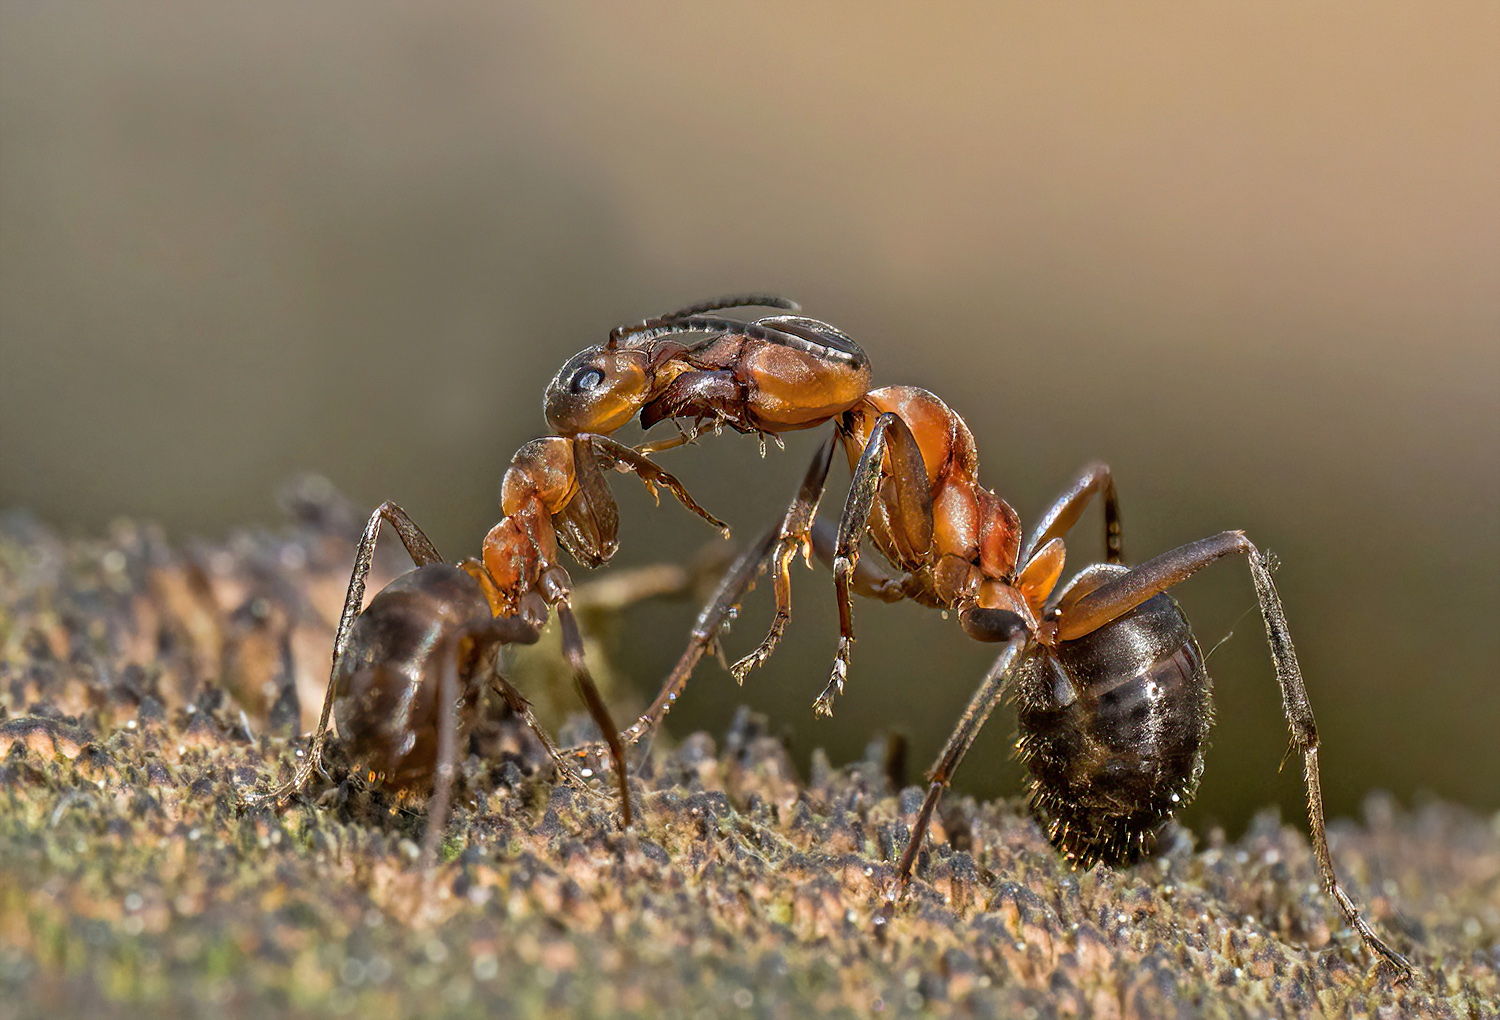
(1249, 255)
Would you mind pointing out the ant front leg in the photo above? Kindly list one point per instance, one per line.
(422, 553)
(869, 581)
(489, 634)
(794, 535)
(1119, 596)
(627, 458)
(714, 618)
(908, 527)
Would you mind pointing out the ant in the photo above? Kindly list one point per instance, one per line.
(407, 670)
(1113, 701)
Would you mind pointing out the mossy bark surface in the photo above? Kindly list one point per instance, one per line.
(146, 689)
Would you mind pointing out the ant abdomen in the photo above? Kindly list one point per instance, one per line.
(1112, 728)
(387, 682)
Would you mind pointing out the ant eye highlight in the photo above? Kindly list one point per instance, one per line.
(587, 379)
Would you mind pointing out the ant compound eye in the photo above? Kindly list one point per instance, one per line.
(587, 379)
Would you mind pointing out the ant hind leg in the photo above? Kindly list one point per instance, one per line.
(989, 694)
(1120, 595)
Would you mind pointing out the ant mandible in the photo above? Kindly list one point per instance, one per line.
(404, 686)
(1113, 700)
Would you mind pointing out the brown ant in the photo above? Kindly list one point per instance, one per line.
(1112, 697)
(432, 635)
(407, 670)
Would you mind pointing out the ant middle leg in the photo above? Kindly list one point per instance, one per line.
(793, 536)
(736, 583)
(908, 505)
(422, 552)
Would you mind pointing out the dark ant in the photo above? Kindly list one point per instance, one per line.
(407, 671)
(1113, 701)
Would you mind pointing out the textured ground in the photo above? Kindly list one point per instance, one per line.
(144, 688)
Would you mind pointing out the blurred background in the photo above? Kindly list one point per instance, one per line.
(1249, 256)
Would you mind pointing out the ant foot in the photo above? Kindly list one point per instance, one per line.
(824, 703)
(762, 652)
(290, 788)
(577, 765)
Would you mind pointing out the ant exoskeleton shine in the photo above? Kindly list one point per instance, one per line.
(1113, 701)
(431, 637)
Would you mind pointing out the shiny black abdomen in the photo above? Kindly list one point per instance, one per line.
(385, 700)
(1112, 729)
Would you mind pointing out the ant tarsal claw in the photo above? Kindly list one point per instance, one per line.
(824, 704)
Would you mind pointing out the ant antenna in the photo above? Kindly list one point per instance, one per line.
(736, 301)
(718, 304)
(816, 343)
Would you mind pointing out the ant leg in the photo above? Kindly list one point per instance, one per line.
(794, 536)
(989, 694)
(682, 438)
(447, 754)
(1068, 507)
(1304, 730)
(1118, 596)
(1124, 592)
(506, 630)
(588, 525)
(517, 703)
(497, 631)
(870, 580)
(572, 643)
(422, 553)
(651, 474)
(733, 587)
(909, 509)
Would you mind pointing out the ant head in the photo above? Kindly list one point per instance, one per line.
(599, 390)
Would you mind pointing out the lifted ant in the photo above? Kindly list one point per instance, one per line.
(407, 671)
(1113, 701)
